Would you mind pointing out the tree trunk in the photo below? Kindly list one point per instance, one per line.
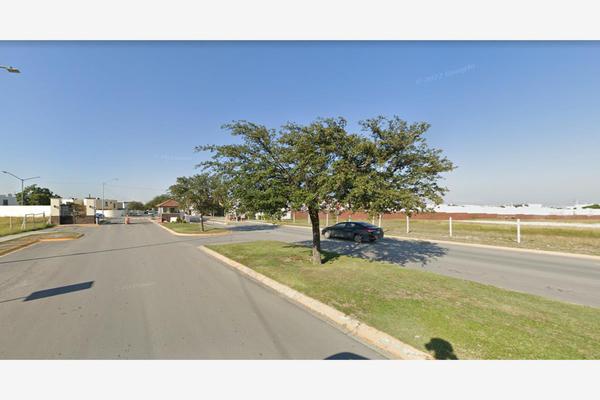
(202, 221)
(316, 235)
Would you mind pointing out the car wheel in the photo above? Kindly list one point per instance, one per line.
(327, 234)
(358, 238)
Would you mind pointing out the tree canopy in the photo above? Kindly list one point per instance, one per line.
(36, 196)
(201, 193)
(156, 201)
(135, 205)
(387, 167)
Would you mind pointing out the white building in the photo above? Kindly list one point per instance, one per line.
(8, 200)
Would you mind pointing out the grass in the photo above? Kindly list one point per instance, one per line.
(18, 243)
(445, 316)
(552, 238)
(193, 228)
(10, 226)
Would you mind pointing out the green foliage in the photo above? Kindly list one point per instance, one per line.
(202, 193)
(156, 201)
(322, 166)
(593, 206)
(136, 205)
(36, 196)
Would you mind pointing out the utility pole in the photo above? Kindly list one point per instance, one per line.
(22, 184)
(104, 184)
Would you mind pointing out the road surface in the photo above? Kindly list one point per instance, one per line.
(138, 292)
(565, 278)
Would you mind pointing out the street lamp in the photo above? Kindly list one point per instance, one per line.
(22, 184)
(10, 69)
(104, 183)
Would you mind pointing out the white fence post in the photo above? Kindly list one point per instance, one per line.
(327, 219)
(407, 224)
(308, 217)
(10, 223)
(293, 216)
(450, 225)
(379, 223)
(518, 230)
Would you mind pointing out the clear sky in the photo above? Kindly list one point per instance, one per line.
(520, 119)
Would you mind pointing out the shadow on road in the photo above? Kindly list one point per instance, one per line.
(40, 294)
(346, 356)
(248, 228)
(390, 250)
(442, 349)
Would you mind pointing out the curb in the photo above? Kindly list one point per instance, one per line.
(36, 242)
(191, 234)
(383, 342)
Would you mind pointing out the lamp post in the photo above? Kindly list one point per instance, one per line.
(10, 69)
(22, 184)
(103, 184)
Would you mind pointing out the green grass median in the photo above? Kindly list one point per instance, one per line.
(448, 317)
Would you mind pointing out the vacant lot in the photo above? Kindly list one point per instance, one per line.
(448, 317)
(565, 239)
(193, 228)
(11, 225)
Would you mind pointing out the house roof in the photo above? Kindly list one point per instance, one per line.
(168, 203)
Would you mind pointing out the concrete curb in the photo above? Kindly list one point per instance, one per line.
(385, 343)
(191, 234)
(36, 242)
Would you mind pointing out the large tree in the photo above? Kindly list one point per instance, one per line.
(36, 196)
(201, 193)
(156, 201)
(321, 165)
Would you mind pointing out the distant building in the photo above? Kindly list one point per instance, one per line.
(8, 200)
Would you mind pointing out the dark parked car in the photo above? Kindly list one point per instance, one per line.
(357, 231)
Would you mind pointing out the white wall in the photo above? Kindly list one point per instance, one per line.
(19, 211)
(112, 213)
(534, 209)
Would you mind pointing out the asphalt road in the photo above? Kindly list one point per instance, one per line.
(564, 278)
(138, 292)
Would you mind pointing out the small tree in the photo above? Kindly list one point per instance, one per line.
(200, 193)
(320, 165)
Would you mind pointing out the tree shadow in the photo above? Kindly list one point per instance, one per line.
(388, 250)
(346, 356)
(247, 228)
(442, 349)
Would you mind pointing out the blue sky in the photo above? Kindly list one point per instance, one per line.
(519, 119)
